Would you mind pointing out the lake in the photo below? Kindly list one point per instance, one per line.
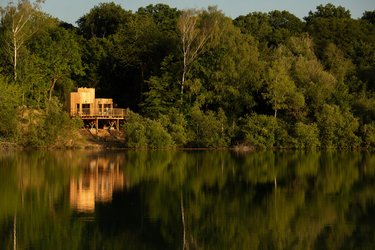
(187, 200)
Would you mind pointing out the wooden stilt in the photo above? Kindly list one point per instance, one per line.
(97, 126)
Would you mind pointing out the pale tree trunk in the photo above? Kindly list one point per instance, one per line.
(53, 83)
(183, 80)
(193, 39)
(184, 244)
(15, 53)
(19, 21)
(275, 105)
(15, 232)
(187, 23)
(275, 206)
(20, 14)
(275, 182)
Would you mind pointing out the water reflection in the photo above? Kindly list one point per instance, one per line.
(196, 200)
(100, 178)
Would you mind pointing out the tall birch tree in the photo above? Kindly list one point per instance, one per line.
(280, 86)
(195, 31)
(18, 25)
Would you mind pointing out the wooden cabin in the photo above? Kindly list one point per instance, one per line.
(91, 110)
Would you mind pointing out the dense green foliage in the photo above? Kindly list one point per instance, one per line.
(50, 126)
(307, 135)
(265, 79)
(259, 130)
(10, 96)
(143, 132)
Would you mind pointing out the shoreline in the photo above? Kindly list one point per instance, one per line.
(107, 140)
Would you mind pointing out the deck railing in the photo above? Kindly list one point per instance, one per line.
(99, 113)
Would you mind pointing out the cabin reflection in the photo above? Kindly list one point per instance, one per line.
(99, 180)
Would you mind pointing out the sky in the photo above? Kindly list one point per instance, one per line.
(71, 10)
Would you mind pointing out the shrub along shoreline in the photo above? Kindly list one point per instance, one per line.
(255, 132)
(53, 129)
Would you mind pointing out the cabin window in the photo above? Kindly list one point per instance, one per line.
(107, 108)
(86, 109)
(100, 107)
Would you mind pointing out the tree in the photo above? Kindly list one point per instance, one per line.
(316, 84)
(175, 123)
(337, 127)
(135, 131)
(57, 63)
(120, 65)
(195, 31)
(103, 20)
(328, 11)
(162, 93)
(284, 25)
(330, 24)
(368, 131)
(143, 132)
(10, 98)
(256, 24)
(94, 55)
(302, 46)
(364, 108)
(271, 29)
(280, 86)
(209, 128)
(369, 16)
(307, 135)
(18, 25)
(139, 49)
(163, 15)
(336, 62)
(259, 130)
(227, 74)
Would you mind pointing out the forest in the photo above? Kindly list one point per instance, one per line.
(193, 77)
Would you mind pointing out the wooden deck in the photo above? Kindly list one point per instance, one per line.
(114, 113)
(92, 117)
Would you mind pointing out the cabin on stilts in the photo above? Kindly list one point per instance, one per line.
(95, 112)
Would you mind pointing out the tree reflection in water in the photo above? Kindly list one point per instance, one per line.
(196, 200)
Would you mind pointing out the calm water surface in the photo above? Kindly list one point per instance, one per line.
(191, 200)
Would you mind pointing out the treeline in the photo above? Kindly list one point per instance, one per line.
(196, 78)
